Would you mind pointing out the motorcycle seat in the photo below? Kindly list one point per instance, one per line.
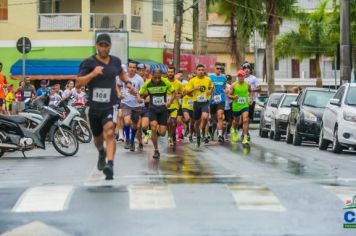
(14, 118)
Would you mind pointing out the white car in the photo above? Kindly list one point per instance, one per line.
(339, 120)
(279, 120)
(267, 113)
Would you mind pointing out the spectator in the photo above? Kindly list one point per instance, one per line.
(18, 93)
(80, 95)
(54, 97)
(10, 98)
(43, 89)
(69, 89)
(58, 89)
(3, 85)
(28, 90)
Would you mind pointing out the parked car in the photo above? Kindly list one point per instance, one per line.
(267, 113)
(279, 120)
(260, 101)
(306, 114)
(339, 120)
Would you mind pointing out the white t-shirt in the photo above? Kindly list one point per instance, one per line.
(228, 101)
(129, 99)
(254, 83)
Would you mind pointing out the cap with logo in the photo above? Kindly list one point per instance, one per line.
(241, 73)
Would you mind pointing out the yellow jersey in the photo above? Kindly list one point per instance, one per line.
(187, 101)
(178, 89)
(203, 93)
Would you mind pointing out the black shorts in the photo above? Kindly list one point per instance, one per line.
(133, 112)
(228, 115)
(160, 116)
(144, 113)
(236, 114)
(1, 102)
(98, 118)
(190, 112)
(180, 111)
(215, 107)
(251, 110)
(199, 108)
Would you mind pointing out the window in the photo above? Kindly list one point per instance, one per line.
(157, 12)
(3, 10)
(340, 93)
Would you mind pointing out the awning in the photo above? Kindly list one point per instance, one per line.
(153, 64)
(47, 68)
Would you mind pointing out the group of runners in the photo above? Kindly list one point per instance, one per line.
(128, 103)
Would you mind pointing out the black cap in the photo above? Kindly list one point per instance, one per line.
(103, 38)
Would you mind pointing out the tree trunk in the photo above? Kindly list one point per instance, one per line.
(264, 73)
(195, 29)
(202, 42)
(234, 42)
(271, 29)
(319, 82)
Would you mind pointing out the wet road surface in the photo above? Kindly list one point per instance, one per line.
(269, 188)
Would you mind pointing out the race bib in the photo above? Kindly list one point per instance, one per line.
(217, 98)
(241, 100)
(190, 103)
(158, 101)
(27, 94)
(201, 98)
(101, 95)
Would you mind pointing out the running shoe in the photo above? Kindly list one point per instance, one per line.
(127, 144)
(221, 139)
(156, 155)
(198, 141)
(140, 147)
(147, 136)
(245, 140)
(234, 135)
(132, 147)
(108, 172)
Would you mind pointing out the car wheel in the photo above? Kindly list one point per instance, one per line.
(263, 134)
(337, 148)
(277, 133)
(323, 143)
(271, 134)
(297, 140)
(289, 136)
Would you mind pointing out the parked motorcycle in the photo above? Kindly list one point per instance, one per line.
(15, 137)
(71, 120)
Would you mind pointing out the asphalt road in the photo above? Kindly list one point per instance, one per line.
(270, 188)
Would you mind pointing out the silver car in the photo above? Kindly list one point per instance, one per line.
(279, 120)
(267, 113)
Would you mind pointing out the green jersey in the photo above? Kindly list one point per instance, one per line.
(157, 92)
(241, 91)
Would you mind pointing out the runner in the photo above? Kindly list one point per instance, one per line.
(228, 107)
(254, 84)
(241, 95)
(173, 98)
(131, 107)
(218, 101)
(201, 87)
(99, 72)
(157, 88)
(3, 85)
(187, 108)
(144, 124)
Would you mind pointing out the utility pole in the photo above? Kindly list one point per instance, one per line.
(345, 42)
(202, 43)
(178, 34)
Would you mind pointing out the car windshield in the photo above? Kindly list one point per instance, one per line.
(288, 99)
(262, 99)
(351, 97)
(274, 99)
(317, 99)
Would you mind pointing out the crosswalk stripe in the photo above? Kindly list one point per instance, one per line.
(150, 197)
(255, 197)
(344, 193)
(44, 199)
(35, 228)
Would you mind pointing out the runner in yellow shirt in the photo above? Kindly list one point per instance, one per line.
(201, 87)
(174, 107)
(187, 107)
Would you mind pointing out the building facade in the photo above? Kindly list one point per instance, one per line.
(66, 28)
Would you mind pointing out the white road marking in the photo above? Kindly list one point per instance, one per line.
(44, 199)
(344, 193)
(255, 197)
(35, 228)
(150, 197)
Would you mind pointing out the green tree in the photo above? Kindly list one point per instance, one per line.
(314, 38)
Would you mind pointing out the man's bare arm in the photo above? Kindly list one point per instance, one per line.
(85, 79)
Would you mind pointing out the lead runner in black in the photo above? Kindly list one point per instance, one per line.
(99, 73)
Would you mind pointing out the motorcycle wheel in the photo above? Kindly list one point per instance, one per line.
(82, 131)
(65, 142)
